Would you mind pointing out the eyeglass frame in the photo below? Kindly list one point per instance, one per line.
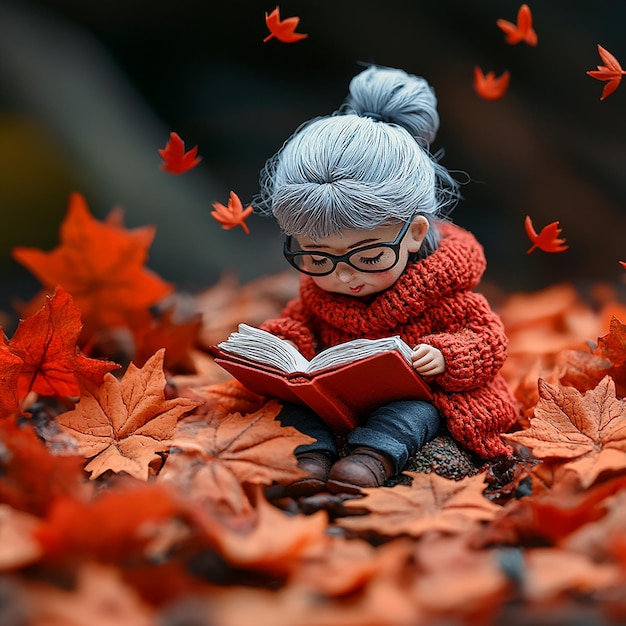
(345, 258)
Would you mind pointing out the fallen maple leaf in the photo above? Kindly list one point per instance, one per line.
(10, 366)
(283, 30)
(232, 215)
(611, 72)
(32, 477)
(270, 541)
(522, 30)
(547, 240)
(488, 86)
(100, 597)
(101, 265)
(123, 425)
(430, 503)
(115, 526)
(612, 348)
(175, 159)
(177, 337)
(585, 432)
(218, 454)
(17, 544)
(46, 343)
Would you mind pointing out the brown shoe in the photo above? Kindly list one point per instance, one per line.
(317, 465)
(364, 467)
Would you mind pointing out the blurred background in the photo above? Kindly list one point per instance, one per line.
(90, 90)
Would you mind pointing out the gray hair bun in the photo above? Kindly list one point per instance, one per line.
(393, 96)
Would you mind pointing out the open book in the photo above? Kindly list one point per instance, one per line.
(342, 384)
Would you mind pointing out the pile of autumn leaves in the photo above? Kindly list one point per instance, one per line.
(148, 493)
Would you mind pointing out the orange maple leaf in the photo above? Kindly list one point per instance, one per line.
(123, 425)
(611, 72)
(430, 503)
(522, 30)
(488, 86)
(283, 30)
(175, 159)
(270, 541)
(46, 343)
(585, 432)
(101, 265)
(219, 453)
(547, 240)
(98, 591)
(232, 215)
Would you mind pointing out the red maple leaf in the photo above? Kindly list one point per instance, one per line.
(488, 86)
(547, 240)
(522, 30)
(32, 477)
(10, 366)
(283, 30)
(611, 72)
(101, 265)
(175, 159)
(46, 344)
(232, 215)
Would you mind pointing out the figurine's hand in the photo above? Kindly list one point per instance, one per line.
(428, 360)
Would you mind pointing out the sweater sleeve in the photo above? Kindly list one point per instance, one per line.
(476, 349)
(293, 325)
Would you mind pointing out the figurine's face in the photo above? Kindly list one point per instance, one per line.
(348, 280)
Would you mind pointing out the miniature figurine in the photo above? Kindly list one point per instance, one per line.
(364, 206)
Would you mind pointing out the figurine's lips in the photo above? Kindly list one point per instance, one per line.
(356, 289)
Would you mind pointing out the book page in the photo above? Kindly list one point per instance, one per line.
(358, 349)
(263, 347)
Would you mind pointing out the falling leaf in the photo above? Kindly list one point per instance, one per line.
(488, 86)
(430, 503)
(225, 450)
(522, 30)
(547, 240)
(123, 425)
(611, 72)
(46, 343)
(232, 215)
(101, 266)
(587, 431)
(283, 30)
(175, 159)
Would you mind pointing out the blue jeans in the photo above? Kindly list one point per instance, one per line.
(399, 429)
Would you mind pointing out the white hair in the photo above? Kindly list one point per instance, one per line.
(366, 165)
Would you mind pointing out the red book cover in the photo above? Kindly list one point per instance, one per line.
(343, 396)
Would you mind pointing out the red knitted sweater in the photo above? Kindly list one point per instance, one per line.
(432, 302)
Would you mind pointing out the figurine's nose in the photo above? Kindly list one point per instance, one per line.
(344, 272)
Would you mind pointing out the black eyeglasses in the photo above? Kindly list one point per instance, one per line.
(375, 257)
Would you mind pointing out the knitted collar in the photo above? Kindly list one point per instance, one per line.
(457, 265)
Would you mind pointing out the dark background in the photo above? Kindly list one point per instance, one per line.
(90, 89)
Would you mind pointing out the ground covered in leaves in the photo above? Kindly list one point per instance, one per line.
(141, 486)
